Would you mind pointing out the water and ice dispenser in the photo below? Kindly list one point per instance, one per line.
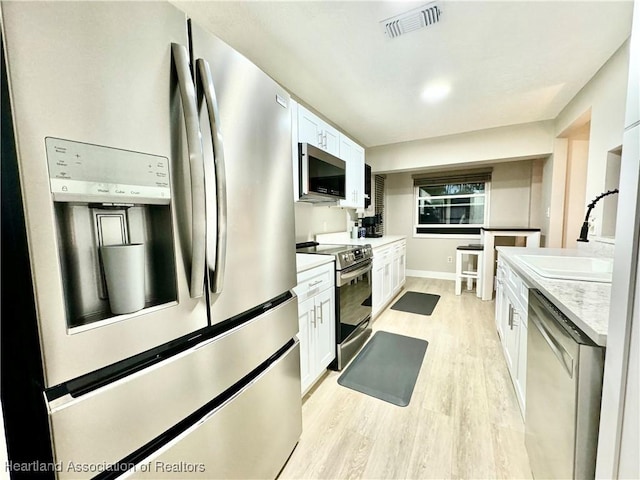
(105, 197)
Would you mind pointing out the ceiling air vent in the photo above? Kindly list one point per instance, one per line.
(412, 20)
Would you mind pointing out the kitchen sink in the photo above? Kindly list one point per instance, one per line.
(570, 268)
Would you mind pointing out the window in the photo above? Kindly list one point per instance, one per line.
(451, 205)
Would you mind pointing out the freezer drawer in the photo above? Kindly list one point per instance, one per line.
(110, 423)
(249, 436)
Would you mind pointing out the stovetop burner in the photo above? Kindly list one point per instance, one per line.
(345, 255)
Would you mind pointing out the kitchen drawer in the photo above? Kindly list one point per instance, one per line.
(513, 280)
(517, 289)
(224, 443)
(385, 252)
(313, 281)
(399, 245)
(524, 295)
(88, 429)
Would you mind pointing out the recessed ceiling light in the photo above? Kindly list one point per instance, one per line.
(436, 92)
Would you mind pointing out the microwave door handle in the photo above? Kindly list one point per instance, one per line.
(221, 179)
(303, 159)
(196, 168)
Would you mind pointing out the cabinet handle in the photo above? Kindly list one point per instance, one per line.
(313, 284)
(319, 312)
(510, 317)
(313, 320)
(324, 136)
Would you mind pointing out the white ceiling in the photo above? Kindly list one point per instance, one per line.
(507, 62)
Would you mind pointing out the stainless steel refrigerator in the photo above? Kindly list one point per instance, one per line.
(125, 123)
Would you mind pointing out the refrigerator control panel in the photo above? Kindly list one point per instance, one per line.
(82, 172)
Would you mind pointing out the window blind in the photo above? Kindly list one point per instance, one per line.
(379, 201)
(442, 178)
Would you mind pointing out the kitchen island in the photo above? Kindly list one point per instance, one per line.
(585, 303)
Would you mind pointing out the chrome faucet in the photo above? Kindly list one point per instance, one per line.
(584, 231)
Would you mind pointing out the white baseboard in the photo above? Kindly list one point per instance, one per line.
(430, 274)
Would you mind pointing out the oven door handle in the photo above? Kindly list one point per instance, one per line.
(345, 277)
(360, 329)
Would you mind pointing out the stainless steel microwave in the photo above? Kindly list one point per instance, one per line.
(322, 175)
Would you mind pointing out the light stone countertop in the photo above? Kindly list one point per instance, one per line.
(343, 238)
(307, 261)
(585, 303)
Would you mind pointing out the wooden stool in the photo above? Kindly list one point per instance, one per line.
(470, 274)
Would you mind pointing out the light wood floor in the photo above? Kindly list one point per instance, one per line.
(463, 420)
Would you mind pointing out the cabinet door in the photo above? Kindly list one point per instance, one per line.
(358, 174)
(387, 279)
(353, 155)
(511, 339)
(346, 148)
(330, 140)
(521, 381)
(346, 154)
(377, 295)
(499, 313)
(403, 266)
(325, 330)
(395, 271)
(309, 127)
(306, 318)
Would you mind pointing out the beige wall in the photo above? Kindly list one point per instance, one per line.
(510, 205)
(525, 141)
(575, 187)
(311, 220)
(605, 96)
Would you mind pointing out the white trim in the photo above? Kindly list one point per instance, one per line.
(444, 197)
(445, 236)
(416, 208)
(431, 274)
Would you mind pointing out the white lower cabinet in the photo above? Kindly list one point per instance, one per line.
(389, 274)
(398, 266)
(501, 301)
(316, 322)
(511, 324)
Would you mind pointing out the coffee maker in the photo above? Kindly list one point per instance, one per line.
(371, 226)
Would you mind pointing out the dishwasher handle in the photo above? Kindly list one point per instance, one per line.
(558, 350)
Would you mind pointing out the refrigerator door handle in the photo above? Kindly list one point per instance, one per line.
(209, 91)
(196, 167)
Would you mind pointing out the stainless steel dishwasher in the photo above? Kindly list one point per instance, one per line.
(564, 388)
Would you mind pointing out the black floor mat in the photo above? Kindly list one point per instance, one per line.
(416, 302)
(386, 368)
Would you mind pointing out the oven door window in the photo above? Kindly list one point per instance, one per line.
(354, 292)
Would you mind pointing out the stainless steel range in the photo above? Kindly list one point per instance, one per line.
(353, 296)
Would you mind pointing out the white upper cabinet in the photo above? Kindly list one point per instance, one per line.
(313, 130)
(353, 155)
(307, 127)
